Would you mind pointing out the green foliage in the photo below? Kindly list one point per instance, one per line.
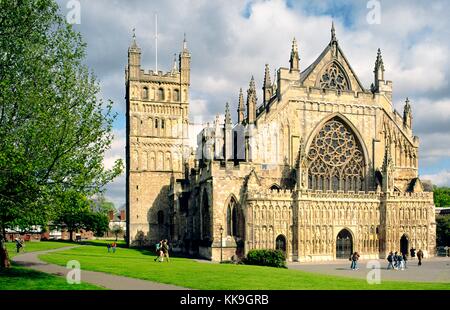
(97, 222)
(443, 230)
(54, 129)
(116, 230)
(271, 258)
(77, 212)
(441, 197)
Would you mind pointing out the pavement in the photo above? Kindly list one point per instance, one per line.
(106, 280)
(435, 269)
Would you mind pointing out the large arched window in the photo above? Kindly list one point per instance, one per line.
(334, 78)
(206, 222)
(235, 219)
(336, 159)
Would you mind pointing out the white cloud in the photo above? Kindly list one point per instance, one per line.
(441, 178)
(228, 48)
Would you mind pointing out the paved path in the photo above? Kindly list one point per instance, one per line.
(106, 280)
(435, 269)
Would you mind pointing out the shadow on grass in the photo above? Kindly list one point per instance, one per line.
(17, 271)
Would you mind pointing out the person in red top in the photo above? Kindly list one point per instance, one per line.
(113, 246)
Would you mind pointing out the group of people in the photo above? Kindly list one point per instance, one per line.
(162, 250)
(396, 260)
(111, 247)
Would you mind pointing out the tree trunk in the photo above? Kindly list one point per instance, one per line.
(71, 235)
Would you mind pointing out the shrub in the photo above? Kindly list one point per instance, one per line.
(271, 258)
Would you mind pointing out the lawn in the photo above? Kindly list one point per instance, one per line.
(209, 276)
(21, 278)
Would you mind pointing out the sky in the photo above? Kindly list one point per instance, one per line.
(232, 40)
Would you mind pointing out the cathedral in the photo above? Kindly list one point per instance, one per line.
(320, 168)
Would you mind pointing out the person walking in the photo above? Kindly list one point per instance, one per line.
(400, 262)
(108, 245)
(158, 251)
(396, 260)
(412, 253)
(355, 258)
(18, 245)
(420, 257)
(165, 250)
(390, 260)
(405, 259)
(114, 246)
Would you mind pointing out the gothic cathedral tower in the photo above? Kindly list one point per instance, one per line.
(157, 118)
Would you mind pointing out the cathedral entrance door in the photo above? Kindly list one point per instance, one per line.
(344, 244)
(404, 244)
(280, 243)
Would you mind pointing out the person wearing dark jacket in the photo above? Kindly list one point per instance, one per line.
(390, 259)
(420, 257)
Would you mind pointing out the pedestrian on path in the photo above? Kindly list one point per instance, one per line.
(405, 259)
(354, 258)
(165, 250)
(158, 251)
(390, 260)
(420, 257)
(19, 244)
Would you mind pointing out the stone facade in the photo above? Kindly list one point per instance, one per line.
(321, 168)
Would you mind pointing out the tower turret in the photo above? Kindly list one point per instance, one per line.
(267, 88)
(241, 108)
(228, 134)
(134, 59)
(378, 72)
(294, 60)
(251, 102)
(185, 64)
(407, 115)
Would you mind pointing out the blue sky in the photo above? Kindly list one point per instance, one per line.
(232, 40)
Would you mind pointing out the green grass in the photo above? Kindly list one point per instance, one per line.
(198, 275)
(34, 246)
(20, 278)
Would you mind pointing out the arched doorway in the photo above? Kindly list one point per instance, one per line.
(404, 244)
(344, 244)
(280, 243)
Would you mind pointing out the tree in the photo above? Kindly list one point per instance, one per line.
(97, 222)
(74, 212)
(443, 230)
(441, 197)
(55, 129)
(116, 230)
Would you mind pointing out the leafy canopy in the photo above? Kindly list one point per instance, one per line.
(54, 127)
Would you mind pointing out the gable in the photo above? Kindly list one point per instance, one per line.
(331, 70)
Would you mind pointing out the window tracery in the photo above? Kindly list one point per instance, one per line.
(334, 78)
(336, 159)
